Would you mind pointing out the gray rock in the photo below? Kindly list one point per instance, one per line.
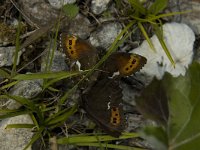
(98, 6)
(58, 63)
(59, 3)
(105, 36)
(15, 139)
(7, 56)
(80, 27)
(136, 122)
(190, 18)
(27, 89)
(37, 12)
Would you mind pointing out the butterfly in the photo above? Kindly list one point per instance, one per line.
(79, 50)
(103, 101)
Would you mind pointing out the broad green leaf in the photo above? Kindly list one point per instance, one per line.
(183, 97)
(156, 136)
(158, 6)
(153, 103)
(70, 10)
(185, 132)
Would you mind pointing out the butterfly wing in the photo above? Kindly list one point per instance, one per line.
(103, 105)
(124, 63)
(79, 50)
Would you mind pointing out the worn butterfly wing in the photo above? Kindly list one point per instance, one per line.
(79, 50)
(103, 104)
(124, 63)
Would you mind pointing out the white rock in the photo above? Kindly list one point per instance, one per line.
(179, 39)
(7, 56)
(98, 6)
(59, 3)
(15, 139)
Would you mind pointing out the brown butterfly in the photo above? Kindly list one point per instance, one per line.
(79, 50)
(103, 102)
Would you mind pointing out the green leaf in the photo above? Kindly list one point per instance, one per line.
(70, 10)
(156, 136)
(153, 102)
(138, 6)
(158, 6)
(183, 97)
(184, 128)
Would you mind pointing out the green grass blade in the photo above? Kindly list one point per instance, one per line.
(50, 82)
(16, 113)
(159, 34)
(25, 102)
(113, 146)
(20, 126)
(9, 85)
(59, 119)
(146, 36)
(62, 74)
(35, 137)
(143, 19)
(94, 138)
(4, 74)
(35, 122)
(167, 15)
(3, 111)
